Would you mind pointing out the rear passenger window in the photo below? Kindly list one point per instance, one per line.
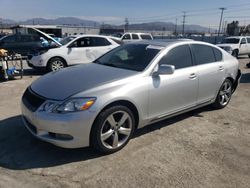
(98, 41)
(179, 56)
(248, 40)
(135, 36)
(217, 54)
(203, 54)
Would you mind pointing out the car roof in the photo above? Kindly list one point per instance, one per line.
(164, 43)
(237, 37)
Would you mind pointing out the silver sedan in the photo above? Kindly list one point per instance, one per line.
(100, 104)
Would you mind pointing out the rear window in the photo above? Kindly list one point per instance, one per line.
(203, 54)
(146, 37)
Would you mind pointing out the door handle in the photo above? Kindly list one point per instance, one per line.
(192, 76)
(221, 68)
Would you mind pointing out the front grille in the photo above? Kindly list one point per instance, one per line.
(31, 100)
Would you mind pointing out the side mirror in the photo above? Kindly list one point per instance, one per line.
(164, 69)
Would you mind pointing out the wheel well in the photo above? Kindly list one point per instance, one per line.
(231, 79)
(129, 105)
(57, 57)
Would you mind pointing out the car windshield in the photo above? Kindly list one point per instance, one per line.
(66, 40)
(230, 41)
(134, 57)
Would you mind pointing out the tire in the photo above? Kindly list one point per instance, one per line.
(249, 55)
(224, 95)
(55, 64)
(235, 53)
(107, 135)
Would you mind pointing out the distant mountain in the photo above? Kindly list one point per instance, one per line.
(166, 26)
(156, 26)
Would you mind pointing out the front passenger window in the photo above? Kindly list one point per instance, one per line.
(179, 56)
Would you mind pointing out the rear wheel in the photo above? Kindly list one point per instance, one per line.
(224, 95)
(112, 129)
(56, 63)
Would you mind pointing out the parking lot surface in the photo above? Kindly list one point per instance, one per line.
(202, 148)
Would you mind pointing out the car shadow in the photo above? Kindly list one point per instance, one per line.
(33, 72)
(20, 150)
(245, 78)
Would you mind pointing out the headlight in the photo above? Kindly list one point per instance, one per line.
(76, 104)
(48, 106)
(40, 52)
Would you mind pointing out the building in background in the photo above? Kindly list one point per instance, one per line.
(56, 30)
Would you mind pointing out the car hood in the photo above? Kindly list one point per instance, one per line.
(62, 84)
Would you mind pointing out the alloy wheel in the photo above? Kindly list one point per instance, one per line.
(116, 130)
(57, 65)
(225, 93)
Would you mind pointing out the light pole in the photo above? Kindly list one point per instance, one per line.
(221, 16)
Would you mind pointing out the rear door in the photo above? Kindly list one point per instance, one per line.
(211, 70)
(175, 92)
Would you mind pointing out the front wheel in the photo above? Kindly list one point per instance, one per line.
(56, 64)
(112, 129)
(224, 95)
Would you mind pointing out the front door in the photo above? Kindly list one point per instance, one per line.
(172, 93)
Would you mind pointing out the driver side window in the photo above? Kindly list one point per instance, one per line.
(179, 56)
(243, 41)
(82, 42)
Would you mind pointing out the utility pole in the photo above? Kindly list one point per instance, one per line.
(175, 29)
(183, 23)
(126, 25)
(221, 16)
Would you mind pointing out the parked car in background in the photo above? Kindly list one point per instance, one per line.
(136, 36)
(236, 46)
(22, 44)
(26, 44)
(102, 103)
(83, 49)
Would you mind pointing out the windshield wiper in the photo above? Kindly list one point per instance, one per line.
(110, 64)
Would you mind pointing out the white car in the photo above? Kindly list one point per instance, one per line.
(136, 36)
(236, 46)
(81, 49)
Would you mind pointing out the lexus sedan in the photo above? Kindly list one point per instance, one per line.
(100, 104)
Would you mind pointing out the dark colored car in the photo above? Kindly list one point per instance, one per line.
(22, 44)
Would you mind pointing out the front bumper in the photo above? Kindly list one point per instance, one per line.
(71, 130)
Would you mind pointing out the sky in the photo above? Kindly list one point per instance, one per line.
(201, 12)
